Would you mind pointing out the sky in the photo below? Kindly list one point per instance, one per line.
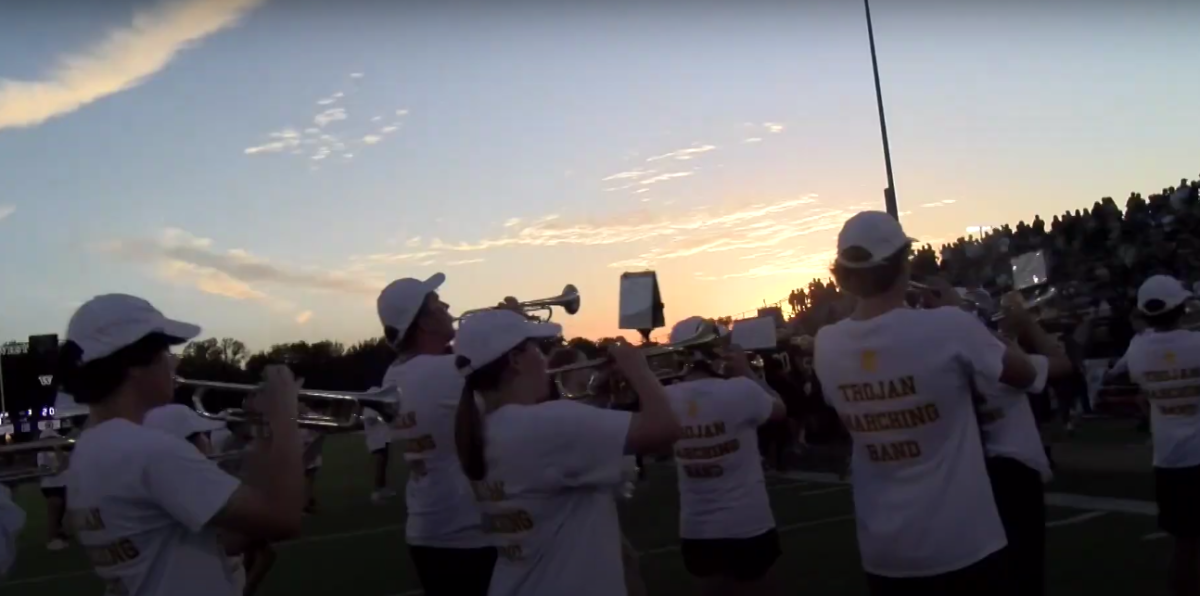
(264, 167)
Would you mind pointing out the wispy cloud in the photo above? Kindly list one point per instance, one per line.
(464, 262)
(7, 210)
(938, 204)
(413, 242)
(628, 175)
(371, 139)
(512, 221)
(752, 140)
(773, 127)
(665, 177)
(330, 115)
(125, 58)
(282, 140)
(304, 317)
(182, 257)
(357, 75)
(684, 154)
(402, 112)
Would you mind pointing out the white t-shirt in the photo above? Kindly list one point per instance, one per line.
(1166, 366)
(376, 431)
(722, 492)
(1009, 426)
(901, 384)
(441, 508)
(548, 501)
(49, 459)
(140, 501)
(12, 521)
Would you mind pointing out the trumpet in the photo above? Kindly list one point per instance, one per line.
(568, 300)
(670, 362)
(349, 416)
(61, 447)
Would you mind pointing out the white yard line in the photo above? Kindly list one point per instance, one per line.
(1076, 519)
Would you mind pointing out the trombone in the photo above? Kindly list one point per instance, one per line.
(568, 300)
(386, 401)
(61, 448)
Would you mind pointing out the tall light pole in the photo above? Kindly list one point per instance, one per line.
(889, 194)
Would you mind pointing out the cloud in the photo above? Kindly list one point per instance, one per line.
(7, 210)
(512, 221)
(371, 139)
(753, 140)
(464, 262)
(684, 154)
(330, 115)
(389, 129)
(304, 317)
(773, 127)
(283, 140)
(665, 177)
(413, 242)
(938, 204)
(629, 175)
(357, 75)
(184, 258)
(401, 112)
(125, 58)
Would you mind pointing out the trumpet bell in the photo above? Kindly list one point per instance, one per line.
(568, 300)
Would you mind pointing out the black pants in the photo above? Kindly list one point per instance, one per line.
(453, 571)
(1021, 501)
(740, 559)
(985, 578)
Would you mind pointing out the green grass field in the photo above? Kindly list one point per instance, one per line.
(356, 548)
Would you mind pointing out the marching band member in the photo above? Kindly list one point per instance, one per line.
(1017, 464)
(900, 379)
(12, 521)
(727, 529)
(1164, 364)
(544, 470)
(378, 434)
(577, 382)
(446, 542)
(145, 505)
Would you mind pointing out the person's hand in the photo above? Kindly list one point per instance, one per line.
(737, 360)
(1016, 318)
(938, 293)
(628, 360)
(510, 303)
(277, 398)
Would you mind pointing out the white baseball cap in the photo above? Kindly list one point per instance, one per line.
(488, 335)
(686, 329)
(875, 232)
(1164, 288)
(399, 303)
(110, 322)
(180, 421)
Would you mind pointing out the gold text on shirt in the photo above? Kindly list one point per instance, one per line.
(889, 421)
(492, 491)
(704, 431)
(1175, 374)
(879, 391)
(710, 452)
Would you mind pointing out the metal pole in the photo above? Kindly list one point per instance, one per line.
(889, 194)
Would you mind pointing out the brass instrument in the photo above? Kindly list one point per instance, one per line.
(669, 362)
(61, 447)
(347, 405)
(568, 300)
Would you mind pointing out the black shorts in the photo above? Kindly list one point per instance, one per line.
(742, 559)
(1021, 501)
(985, 578)
(453, 571)
(55, 492)
(1178, 492)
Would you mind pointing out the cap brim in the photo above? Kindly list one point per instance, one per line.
(179, 331)
(434, 282)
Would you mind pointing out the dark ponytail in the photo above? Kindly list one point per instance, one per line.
(468, 420)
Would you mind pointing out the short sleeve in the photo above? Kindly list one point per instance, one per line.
(977, 346)
(186, 484)
(753, 402)
(1041, 366)
(587, 444)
